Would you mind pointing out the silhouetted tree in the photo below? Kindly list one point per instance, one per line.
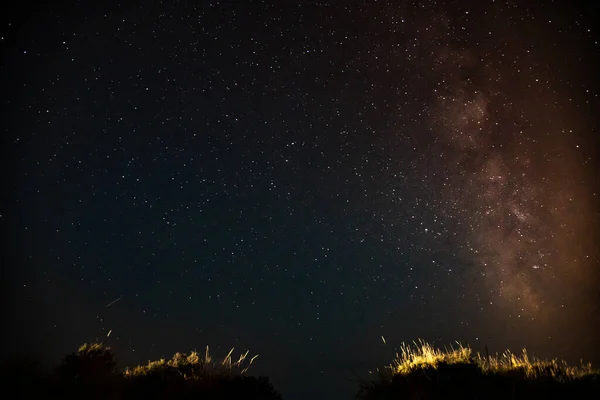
(91, 370)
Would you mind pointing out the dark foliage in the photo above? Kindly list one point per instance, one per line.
(91, 373)
(467, 382)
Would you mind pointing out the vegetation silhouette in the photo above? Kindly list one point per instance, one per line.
(418, 371)
(91, 373)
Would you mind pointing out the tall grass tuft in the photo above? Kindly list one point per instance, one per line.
(419, 370)
(195, 366)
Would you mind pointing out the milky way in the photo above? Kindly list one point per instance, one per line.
(513, 177)
(300, 179)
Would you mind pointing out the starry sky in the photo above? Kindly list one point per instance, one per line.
(299, 180)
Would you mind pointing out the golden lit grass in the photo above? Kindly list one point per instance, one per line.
(91, 373)
(533, 368)
(421, 371)
(421, 356)
(195, 366)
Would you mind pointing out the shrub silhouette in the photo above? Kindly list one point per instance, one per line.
(194, 376)
(92, 363)
(422, 372)
(91, 373)
(417, 372)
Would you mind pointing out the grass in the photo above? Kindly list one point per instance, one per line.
(418, 371)
(195, 366)
(91, 373)
(421, 371)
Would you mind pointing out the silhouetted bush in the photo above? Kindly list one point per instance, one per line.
(418, 372)
(92, 363)
(91, 373)
(188, 376)
(422, 372)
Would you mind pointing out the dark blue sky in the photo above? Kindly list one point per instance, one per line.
(299, 181)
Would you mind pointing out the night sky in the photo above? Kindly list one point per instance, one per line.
(299, 180)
